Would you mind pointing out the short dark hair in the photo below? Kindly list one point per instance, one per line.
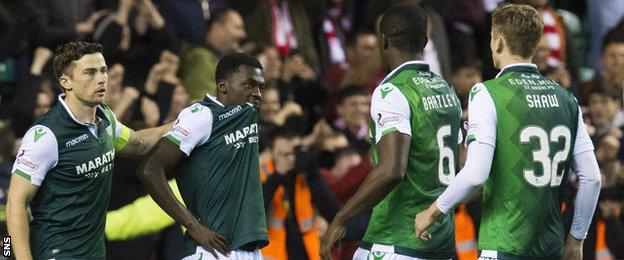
(280, 132)
(349, 91)
(616, 35)
(405, 26)
(67, 53)
(218, 16)
(352, 38)
(230, 63)
(521, 26)
(608, 92)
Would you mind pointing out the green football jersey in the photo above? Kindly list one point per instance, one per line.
(72, 164)
(413, 100)
(219, 180)
(532, 123)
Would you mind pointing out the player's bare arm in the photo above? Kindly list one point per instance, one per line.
(21, 193)
(152, 173)
(393, 155)
(142, 141)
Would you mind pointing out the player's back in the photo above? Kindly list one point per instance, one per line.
(536, 125)
(413, 100)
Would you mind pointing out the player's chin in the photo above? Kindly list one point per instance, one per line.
(98, 98)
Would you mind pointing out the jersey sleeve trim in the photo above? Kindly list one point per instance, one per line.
(172, 139)
(22, 174)
(123, 138)
(390, 130)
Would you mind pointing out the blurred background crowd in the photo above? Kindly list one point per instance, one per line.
(321, 63)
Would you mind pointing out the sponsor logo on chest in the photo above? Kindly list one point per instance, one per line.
(238, 136)
(100, 164)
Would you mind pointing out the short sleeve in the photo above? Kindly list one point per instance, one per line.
(37, 154)
(481, 125)
(390, 111)
(192, 128)
(583, 142)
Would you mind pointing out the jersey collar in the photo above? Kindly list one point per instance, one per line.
(518, 67)
(415, 64)
(214, 99)
(61, 99)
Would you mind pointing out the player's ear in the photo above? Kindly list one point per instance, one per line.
(385, 44)
(65, 82)
(222, 86)
(499, 42)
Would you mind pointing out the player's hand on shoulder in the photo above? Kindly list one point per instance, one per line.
(209, 240)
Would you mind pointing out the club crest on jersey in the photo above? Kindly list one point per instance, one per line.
(109, 130)
(388, 120)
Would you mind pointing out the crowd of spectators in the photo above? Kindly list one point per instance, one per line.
(321, 63)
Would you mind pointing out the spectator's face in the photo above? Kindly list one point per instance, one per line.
(179, 98)
(541, 54)
(366, 50)
(602, 109)
(116, 77)
(243, 85)
(232, 31)
(88, 80)
(354, 110)
(612, 59)
(283, 152)
(270, 105)
(270, 60)
(42, 105)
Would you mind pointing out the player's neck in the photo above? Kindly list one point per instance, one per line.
(84, 112)
(397, 58)
(508, 59)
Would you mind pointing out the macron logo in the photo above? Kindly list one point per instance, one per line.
(77, 140)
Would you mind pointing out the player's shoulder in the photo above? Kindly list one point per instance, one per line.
(39, 136)
(387, 92)
(196, 113)
(479, 91)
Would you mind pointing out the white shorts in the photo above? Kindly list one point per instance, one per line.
(381, 252)
(201, 253)
(488, 255)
